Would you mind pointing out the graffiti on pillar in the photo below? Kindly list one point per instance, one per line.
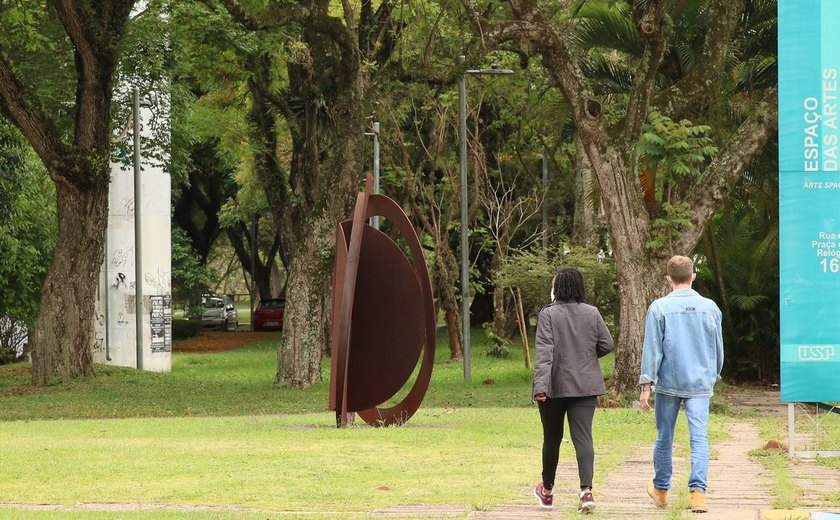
(122, 321)
(127, 207)
(123, 258)
(159, 280)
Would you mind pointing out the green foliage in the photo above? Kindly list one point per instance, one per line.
(497, 346)
(532, 270)
(669, 153)
(27, 229)
(673, 220)
(189, 278)
(608, 26)
(755, 46)
(673, 150)
(185, 329)
(12, 162)
(745, 235)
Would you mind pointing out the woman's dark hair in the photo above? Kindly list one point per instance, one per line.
(568, 285)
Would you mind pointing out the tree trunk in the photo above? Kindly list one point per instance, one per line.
(325, 175)
(306, 325)
(243, 249)
(586, 216)
(444, 277)
(638, 282)
(641, 273)
(63, 338)
(453, 329)
(327, 91)
(499, 315)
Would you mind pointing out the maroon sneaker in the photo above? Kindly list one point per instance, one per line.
(587, 503)
(546, 500)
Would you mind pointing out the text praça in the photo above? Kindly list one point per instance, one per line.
(812, 117)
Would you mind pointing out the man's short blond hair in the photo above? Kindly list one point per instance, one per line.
(680, 269)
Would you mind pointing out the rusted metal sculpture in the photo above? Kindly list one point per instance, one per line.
(383, 314)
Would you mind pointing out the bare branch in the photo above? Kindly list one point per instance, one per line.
(409, 174)
(348, 14)
(36, 126)
(720, 176)
(72, 18)
(651, 22)
(694, 90)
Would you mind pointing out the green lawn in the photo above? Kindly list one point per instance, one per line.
(477, 457)
(240, 382)
(217, 432)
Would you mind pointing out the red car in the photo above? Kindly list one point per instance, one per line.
(269, 314)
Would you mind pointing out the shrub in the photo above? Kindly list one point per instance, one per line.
(497, 346)
(531, 271)
(185, 329)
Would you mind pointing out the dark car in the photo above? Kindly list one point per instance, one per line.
(269, 314)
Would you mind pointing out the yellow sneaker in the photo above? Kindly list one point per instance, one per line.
(698, 502)
(659, 496)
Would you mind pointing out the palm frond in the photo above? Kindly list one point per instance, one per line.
(605, 27)
(608, 76)
(746, 302)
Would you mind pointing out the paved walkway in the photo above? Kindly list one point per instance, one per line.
(740, 487)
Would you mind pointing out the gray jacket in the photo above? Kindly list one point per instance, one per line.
(570, 339)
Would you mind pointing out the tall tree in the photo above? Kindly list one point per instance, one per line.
(429, 187)
(611, 148)
(196, 206)
(66, 39)
(320, 96)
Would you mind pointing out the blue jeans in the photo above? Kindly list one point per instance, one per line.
(697, 412)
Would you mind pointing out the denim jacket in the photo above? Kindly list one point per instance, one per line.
(683, 349)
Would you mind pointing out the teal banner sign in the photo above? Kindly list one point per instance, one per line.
(809, 199)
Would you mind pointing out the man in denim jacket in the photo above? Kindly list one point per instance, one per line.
(682, 359)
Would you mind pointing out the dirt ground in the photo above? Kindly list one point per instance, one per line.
(217, 340)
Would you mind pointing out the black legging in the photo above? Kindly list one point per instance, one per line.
(580, 411)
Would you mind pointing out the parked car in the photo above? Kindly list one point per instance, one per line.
(219, 312)
(269, 314)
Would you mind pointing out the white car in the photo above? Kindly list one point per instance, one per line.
(219, 312)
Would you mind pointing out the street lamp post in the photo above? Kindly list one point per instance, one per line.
(544, 205)
(253, 267)
(376, 166)
(465, 277)
(374, 222)
(147, 102)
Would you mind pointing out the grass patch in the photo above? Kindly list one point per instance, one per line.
(475, 457)
(217, 432)
(241, 382)
(785, 493)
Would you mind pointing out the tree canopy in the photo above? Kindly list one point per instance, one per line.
(650, 117)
